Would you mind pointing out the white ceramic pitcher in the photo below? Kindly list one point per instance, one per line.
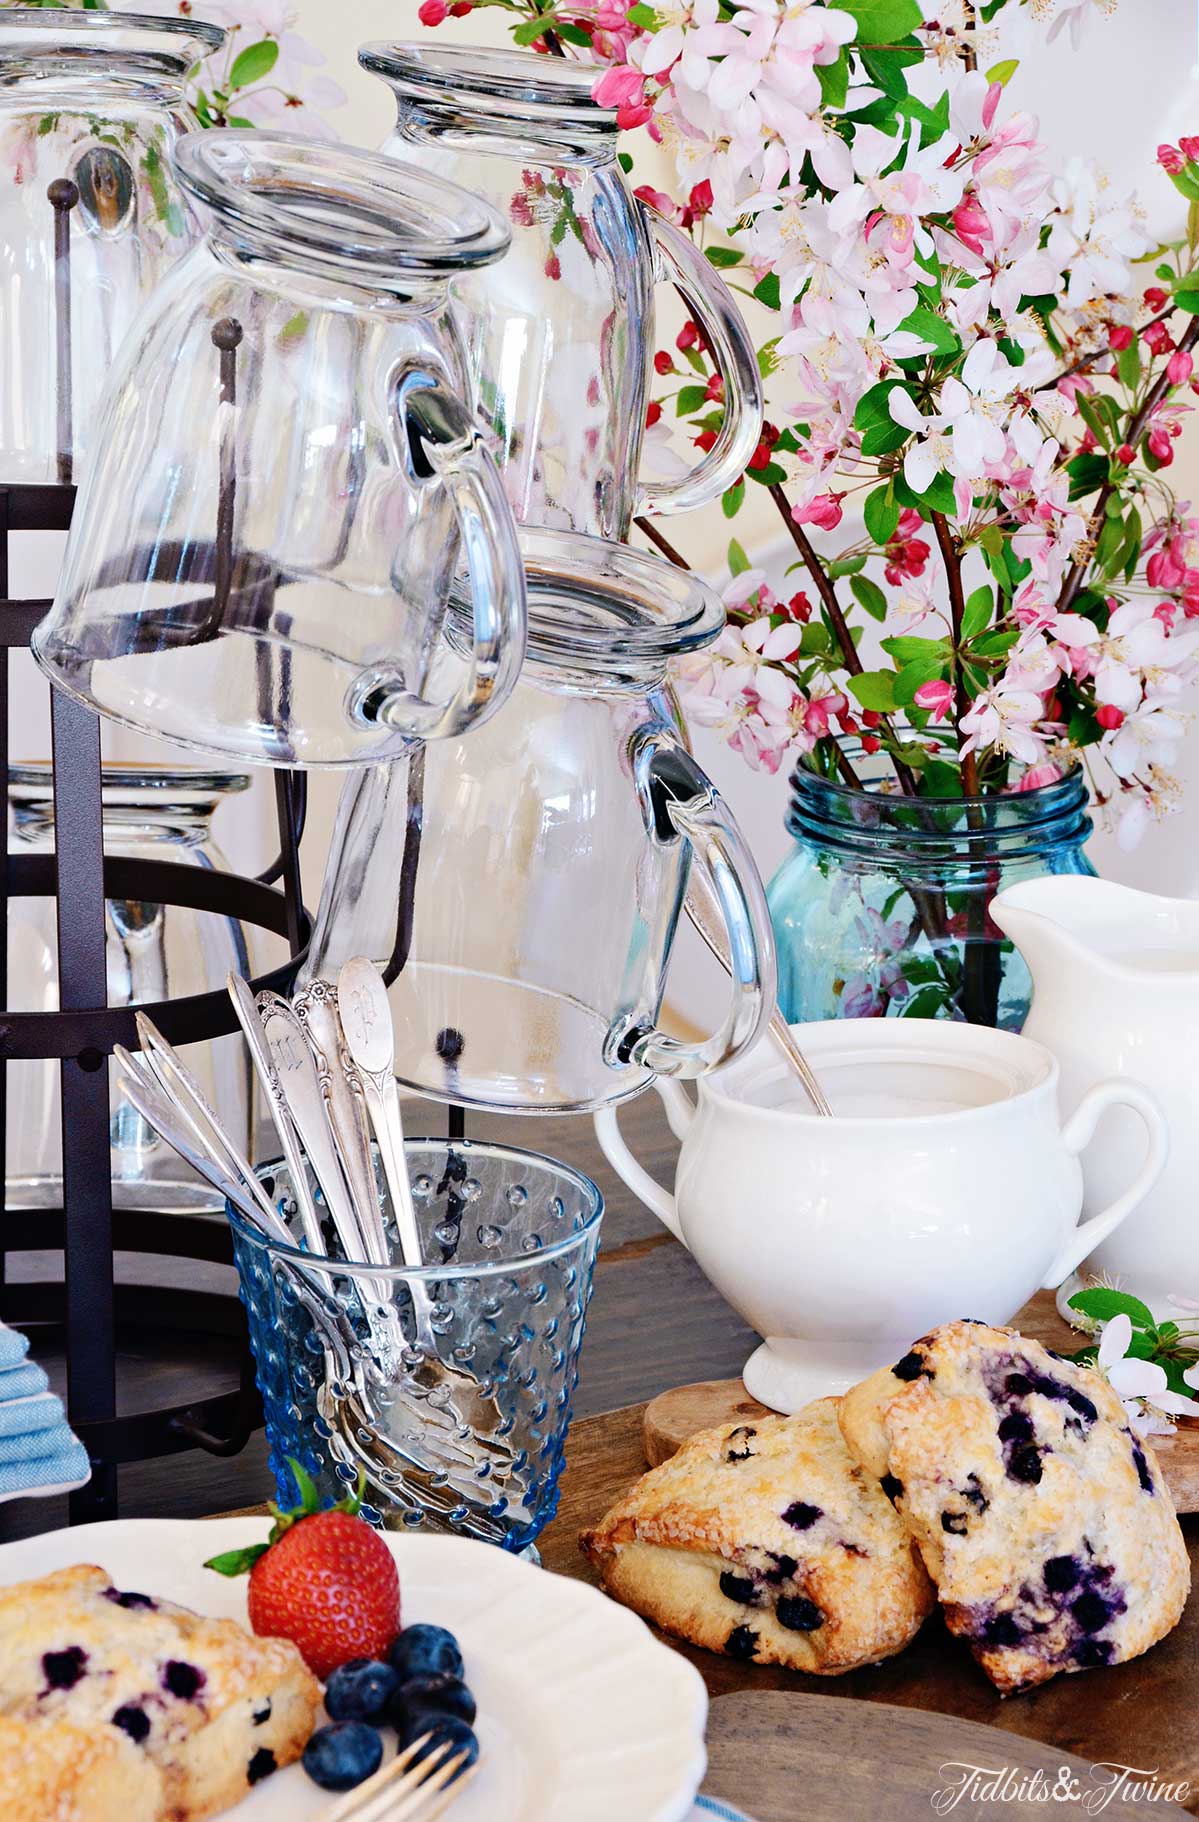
(1116, 993)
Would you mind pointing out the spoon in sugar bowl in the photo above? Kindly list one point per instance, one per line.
(711, 928)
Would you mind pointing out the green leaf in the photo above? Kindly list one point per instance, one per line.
(932, 328)
(738, 561)
(1087, 472)
(691, 399)
(252, 64)
(834, 81)
(977, 615)
(1186, 293)
(815, 640)
(237, 1562)
(909, 679)
(846, 566)
(883, 21)
(1093, 419)
(995, 645)
(925, 1003)
(874, 690)
(625, 162)
(1101, 1304)
(571, 34)
(530, 30)
(1002, 73)
(644, 17)
(870, 596)
(938, 496)
(906, 648)
(1186, 183)
(767, 291)
(723, 256)
(880, 432)
(771, 476)
(940, 779)
(1128, 364)
(881, 514)
(885, 65)
(730, 500)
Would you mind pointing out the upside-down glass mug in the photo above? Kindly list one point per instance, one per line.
(561, 336)
(91, 104)
(288, 471)
(523, 885)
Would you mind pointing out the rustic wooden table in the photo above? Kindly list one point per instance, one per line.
(654, 1323)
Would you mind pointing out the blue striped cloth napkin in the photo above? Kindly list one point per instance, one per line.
(708, 1806)
(39, 1453)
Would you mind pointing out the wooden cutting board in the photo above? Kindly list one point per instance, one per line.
(781, 1755)
(674, 1416)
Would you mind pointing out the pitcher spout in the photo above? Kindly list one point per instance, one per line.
(1064, 921)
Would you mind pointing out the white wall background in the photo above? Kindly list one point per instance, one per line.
(1134, 82)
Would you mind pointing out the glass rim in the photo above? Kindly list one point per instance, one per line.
(489, 1268)
(646, 609)
(1043, 799)
(153, 775)
(391, 218)
(67, 22)
(505, 80)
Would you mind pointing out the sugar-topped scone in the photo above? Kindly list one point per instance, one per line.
(766, 1542)
(215, 1709)
(1045, 1524)
(53, 1771)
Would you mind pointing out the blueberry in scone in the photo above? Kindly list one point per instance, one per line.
(1044, 1522)
(767, 1543)
(212, 1708)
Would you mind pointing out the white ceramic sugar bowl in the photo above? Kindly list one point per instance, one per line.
(945, 1185)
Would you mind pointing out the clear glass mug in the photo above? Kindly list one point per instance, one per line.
(524, 885)
(91, 105)
(153, 952)
(287, 471)
(561, 337)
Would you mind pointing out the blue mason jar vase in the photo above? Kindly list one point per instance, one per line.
(882, 909)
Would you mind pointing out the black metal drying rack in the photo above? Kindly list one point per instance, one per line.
(86, 1307)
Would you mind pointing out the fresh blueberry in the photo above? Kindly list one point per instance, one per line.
(132, 1720)
(891, 1487)
(360, 1690)
(443, 1730)
(341, 1755)
(182, 1680)
(423, 1651)
(911, 1366)
(261, 1765)
(1061, 1574)
(739, 1588)
(435, 1695)
(801, 1516)
(798, 1614)
(63, 1669)
(742, 1642)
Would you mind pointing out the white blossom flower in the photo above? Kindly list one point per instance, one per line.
(1142, 1384)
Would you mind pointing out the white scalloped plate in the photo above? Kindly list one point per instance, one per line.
(582, 1713)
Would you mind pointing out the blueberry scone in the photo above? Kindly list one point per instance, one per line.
(1045, 1524)
(766, 1542)
(213, 1708)
(53, 1771)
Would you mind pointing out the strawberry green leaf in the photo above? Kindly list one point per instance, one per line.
(237, 1562)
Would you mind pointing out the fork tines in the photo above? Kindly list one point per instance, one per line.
(404, 1791)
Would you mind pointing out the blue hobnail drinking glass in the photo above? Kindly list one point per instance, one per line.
(450, 1387)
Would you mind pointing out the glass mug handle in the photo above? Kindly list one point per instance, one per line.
(711, 304)
(679, 800)
(445, 442)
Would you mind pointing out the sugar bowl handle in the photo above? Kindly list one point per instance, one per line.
(445, 442)
(679, 801)
(1077, 1132)
(680, 1112)
(711, 303)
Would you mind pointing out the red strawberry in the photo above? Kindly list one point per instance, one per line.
(325, 1580)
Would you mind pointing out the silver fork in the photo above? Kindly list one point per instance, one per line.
(404, 1791)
